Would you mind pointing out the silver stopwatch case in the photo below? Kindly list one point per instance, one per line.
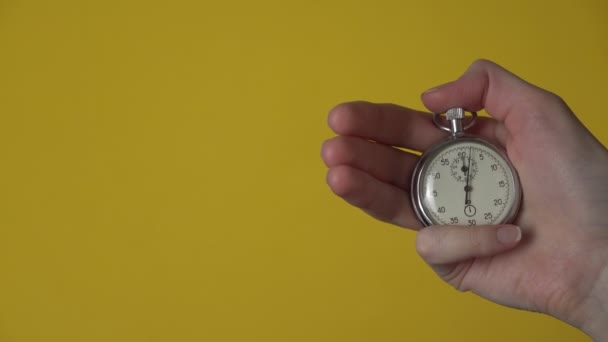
(450, 212)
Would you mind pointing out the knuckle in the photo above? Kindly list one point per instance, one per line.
(456, 275)
(542, 103)
(483, 241)
(482, 63)
(540, 98)
(555, 99)
(479, 242)
(458, 280)
(476, 241)
(426, 242)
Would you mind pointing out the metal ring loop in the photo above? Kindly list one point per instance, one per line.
(446, 128)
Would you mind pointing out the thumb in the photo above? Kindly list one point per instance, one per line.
(445, 247)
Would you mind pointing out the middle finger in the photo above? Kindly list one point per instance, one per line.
(382, 162)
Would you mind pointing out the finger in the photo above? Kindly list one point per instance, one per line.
(380, 200)
(392, 125)
(503, 95)
(383, 162)
(446, 245)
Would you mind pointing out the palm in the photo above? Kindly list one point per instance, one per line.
(533, 276)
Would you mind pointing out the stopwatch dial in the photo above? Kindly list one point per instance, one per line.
(460, 168)
(468, 183)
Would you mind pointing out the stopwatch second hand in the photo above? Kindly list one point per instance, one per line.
(467, 188)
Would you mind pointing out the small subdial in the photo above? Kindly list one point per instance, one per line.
(459, 170)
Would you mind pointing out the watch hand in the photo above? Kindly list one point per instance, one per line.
(463, 168)
(467, 188)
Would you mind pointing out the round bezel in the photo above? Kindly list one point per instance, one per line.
(416, 194)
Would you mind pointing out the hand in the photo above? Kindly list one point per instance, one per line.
(555, 258)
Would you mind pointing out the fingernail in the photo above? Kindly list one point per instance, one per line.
(508, 234)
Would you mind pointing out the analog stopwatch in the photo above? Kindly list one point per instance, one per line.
(464, 180)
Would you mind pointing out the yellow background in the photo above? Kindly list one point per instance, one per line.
(160, 177)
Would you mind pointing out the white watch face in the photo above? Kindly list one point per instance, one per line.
(467, 182)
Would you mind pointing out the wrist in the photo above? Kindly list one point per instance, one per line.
(592, 317)
(595, 323)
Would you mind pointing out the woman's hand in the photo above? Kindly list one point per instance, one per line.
(554, 259)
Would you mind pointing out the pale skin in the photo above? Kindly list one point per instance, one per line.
(554, 257)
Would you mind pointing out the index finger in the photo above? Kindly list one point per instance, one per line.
(394, 125)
